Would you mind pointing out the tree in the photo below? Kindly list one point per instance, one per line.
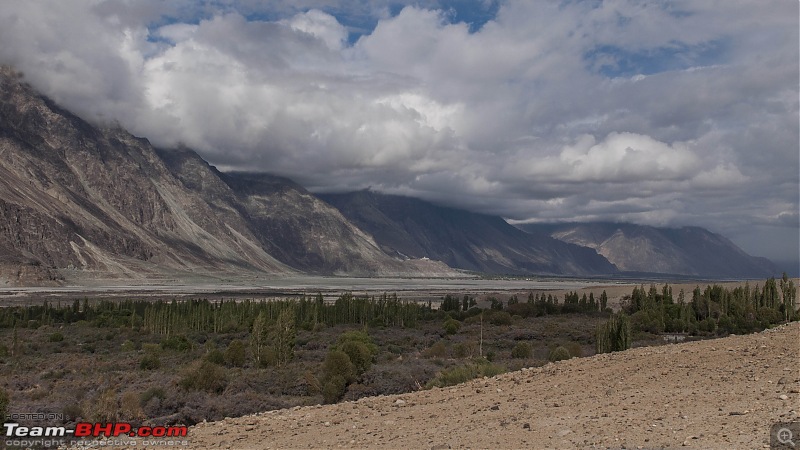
(259, 338)
(603, 300)
(613, 335)
(285, 336)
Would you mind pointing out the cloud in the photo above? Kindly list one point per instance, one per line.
(666, 113)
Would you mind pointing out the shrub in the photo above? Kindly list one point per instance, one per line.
(153, 392)
(437, 350)
(235, 354)
(204, 376)
(55, 337)
(451, 326)
(359, 354)
(521, 350)
(128, 346)
(500, 318)
(338, 364)
(130, 407)
(177, 343)
(559, 354)
(150, 361)
(461, 374)
(215, 356)
(333, 389)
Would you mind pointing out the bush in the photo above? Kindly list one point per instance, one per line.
(559, 354)
(338, 364)
(55, 337)
(499, 318)
(461, 374)
(521, 350)
(437, 350)
(150, 361)
(451, 326)
(204, 376)
(153, 392)
(215, 356)
(359, 354)
(333, 389)
(235, 354)
(177, 343)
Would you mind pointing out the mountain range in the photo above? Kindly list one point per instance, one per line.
(80, 202)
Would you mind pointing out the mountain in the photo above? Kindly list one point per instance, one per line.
(290, 223)
(74, 197)
(86, 202)
(691, 251)
(412, 228)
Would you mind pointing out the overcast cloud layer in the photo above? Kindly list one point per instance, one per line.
(663, 113)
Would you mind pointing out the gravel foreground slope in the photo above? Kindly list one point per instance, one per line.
(723, 393)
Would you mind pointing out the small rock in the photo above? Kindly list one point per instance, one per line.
(400, 402)
(526, 426)
(327, 424)
(782, 380)
(783, 397)
(495, 408)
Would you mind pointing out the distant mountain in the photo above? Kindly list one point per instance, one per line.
(81, 201)
(689, 251)
(412, 228)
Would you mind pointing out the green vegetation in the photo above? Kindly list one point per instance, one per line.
(522, 350)
(460, 374)
(613, 335)
(559, 353)
(714, 310)
(188, 361)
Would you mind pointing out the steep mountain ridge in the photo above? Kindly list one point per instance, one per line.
(689, 251)
(101, 200)
(413, 228)
(289, 223)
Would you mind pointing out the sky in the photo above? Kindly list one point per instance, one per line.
(666, 113)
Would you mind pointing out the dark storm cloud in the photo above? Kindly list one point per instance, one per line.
(666, 113)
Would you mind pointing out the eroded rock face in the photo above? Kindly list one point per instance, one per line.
(76, 196)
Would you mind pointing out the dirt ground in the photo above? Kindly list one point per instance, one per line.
(723, 393)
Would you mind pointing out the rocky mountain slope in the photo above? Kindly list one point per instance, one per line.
(98, 202)
(412, 228)
(690, 251)
(73, 196)
(290, 223)
(722, 393)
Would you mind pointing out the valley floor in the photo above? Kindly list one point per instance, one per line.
(722, 393)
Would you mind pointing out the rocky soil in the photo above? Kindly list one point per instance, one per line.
(723, 393)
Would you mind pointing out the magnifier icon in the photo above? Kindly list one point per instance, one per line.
(785, 436)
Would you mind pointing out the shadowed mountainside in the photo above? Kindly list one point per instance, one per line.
(412, 228)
